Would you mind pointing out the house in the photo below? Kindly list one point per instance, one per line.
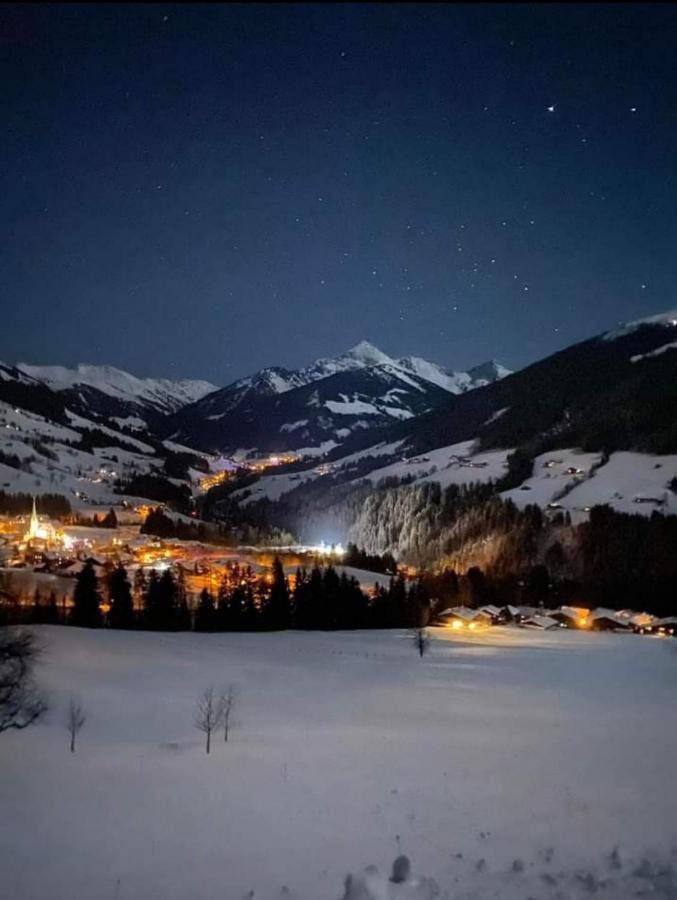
(567, 618)
(546, 623)
(511, 614)
(494, 612)
(463, 617)
(666, 626)
(608, 620)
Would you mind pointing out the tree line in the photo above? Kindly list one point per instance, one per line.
(320, 599)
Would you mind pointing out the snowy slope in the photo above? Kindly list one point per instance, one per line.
(346, 749)
(555, 474)
(51, 461)
(160, 393)
(635, 483)
(456, 464)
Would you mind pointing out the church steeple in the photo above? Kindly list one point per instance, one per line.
(35, 522)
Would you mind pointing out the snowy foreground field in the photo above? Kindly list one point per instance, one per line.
(509, 764)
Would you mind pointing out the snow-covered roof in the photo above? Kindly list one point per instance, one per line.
(460, 612)
(490, 609)
(541, 622)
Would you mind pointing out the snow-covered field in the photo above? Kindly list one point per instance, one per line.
(631, 483)
(345, 749)
(455, 464)
(555, 474)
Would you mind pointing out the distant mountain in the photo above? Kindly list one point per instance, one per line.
(455, 382)
(160, 394)
(357, 391)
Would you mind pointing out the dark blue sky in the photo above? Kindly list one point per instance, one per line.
(204, 190)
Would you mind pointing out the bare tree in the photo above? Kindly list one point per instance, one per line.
(20, 702)
(227, 701)
(421, 640)
(209, 714)
(75, 719)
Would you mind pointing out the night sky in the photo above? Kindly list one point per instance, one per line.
(199, 191)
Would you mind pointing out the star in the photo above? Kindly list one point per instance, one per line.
(633, 109)
(551, 108)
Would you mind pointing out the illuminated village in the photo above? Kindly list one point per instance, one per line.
(41, 559)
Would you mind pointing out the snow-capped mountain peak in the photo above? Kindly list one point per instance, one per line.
(366, 354)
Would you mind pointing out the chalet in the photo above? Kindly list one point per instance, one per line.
(608, 620)
(511, 613)
(545, 623)
(666, 626)
(567, 618)
(494, 612)
(463, 617)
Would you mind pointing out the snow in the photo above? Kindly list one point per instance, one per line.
(495, 416)
(73, 470)
(398, 413)
(628, 482)
(79, 422)
(271, 487)
(455, 464)
(667, 319)
(367, 354)
(380, 449)
(292, 426)
(351, 407)
(20, 420)
(657, 352)
(161, 393)
(345, 750)
(550, 477)
(182, 448)
(454, 382)
(133, 422)
(319, 450)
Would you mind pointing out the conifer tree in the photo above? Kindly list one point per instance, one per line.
(182, 616)
(86, 612)
(277, 608)
(205, 617)
(121, 613)
(52, 611)
(150, 600)
(110, 520)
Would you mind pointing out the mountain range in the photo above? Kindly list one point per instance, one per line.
(316, 408)
(272, 410)
(366, 415)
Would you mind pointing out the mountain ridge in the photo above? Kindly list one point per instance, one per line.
(401, 388)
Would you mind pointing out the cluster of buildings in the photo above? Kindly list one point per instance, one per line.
(32, 540)
(600, 619)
